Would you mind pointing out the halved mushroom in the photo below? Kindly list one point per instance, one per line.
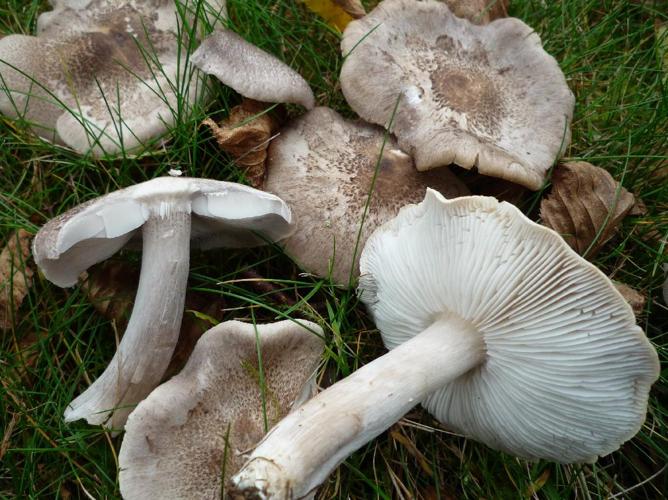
(193, 432)
(170, 211)
(251, 71)
(102, 77)
(323, 166)
(484, 96)
(496, 326)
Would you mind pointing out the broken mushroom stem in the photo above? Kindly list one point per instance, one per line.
(296, 457)
(154, 324)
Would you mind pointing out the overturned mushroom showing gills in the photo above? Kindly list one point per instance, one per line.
(337, 159)
(251, 71)
(102, 76)
(496, 326)
(193, 431)
(168, 211)
(484, 96)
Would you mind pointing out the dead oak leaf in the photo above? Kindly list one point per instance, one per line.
(15, 276)
(352, 7)
(245, 134)
(585, 206)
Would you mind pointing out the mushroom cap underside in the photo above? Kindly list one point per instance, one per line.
(225, 214)
(567, 371)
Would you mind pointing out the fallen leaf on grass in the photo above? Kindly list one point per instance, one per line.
(634, 298)
(336, 13)
(585, 206)
(15, 276)
(245, 134)
(479, 11)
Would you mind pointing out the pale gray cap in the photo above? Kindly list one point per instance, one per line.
(484, 96)
(100, 76)
(177, 439)
(225, 214)
(567, 371)
(251, 71)
(323, 165)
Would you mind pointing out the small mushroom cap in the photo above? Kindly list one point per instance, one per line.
(100, 76)
(485, 96)
(225, 214)
(567, 371)
(251, 71)
(337, 159)
(177, 439)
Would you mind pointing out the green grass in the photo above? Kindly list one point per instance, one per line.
(610, 55)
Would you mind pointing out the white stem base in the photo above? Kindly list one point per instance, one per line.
(302, 450)
(152, 332)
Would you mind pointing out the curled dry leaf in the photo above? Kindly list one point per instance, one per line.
(15, 276)
(111, 287)
(245, 135)
(634, 298)
(585, 206)
(479, 11)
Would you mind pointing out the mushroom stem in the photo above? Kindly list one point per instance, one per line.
(153, 329)
(300, 452)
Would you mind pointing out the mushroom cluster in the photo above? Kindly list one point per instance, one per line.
(492, 322)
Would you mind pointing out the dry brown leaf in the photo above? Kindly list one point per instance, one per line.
(634, 298)
(585, 206)
(15, 276)
(111, 287)
(479, 11)
(245, 135)
(352, 7)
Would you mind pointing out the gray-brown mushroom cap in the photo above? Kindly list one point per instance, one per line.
(485, 96)
(323, 166)
(251, 71)
(194, 430)
(101, 76)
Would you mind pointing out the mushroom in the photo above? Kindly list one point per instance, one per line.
(496, 326)
(191, 433)
(484, 96)
(102, 77)
(170, 211)
(337, 159)
(251, 71)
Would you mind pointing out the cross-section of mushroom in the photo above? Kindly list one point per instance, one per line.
(337, 160)
(496, 326)
(103, 76)
(251, 71)
(484, 96)
(194, 431)
(168, 212)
